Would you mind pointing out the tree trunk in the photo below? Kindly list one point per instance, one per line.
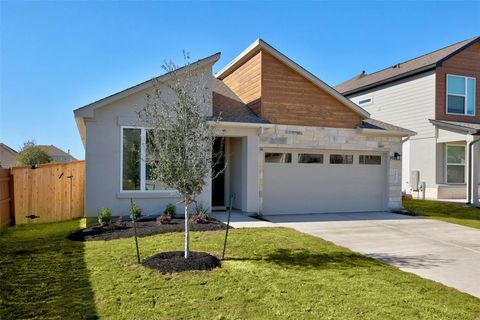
(187, 235)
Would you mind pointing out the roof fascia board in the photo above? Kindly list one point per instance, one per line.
(384, 132)
(88, 110)
(456, 128)
(262, 45)
(392, 79)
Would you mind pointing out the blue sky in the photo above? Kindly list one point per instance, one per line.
(58, 56)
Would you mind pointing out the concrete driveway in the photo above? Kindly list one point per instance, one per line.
(440, 251)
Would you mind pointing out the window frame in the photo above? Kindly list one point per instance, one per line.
(455, 164)
(466, 78)
(143, 167)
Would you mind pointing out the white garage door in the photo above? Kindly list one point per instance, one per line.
(323, 181)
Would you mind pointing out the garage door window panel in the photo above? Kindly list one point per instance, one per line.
(370, 159)
(271, 157)
(341, 159)
(310, 158)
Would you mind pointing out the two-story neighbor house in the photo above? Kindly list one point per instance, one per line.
(292, 143)
(437, 96)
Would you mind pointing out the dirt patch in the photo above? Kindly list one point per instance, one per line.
(169, 262)
(144, 228)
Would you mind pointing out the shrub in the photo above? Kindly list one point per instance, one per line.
(412, 210)
(135, 211)
(164, 219)
(104, 216)
(199, 218)
(200, 209)
(200, 214)
(170, 210)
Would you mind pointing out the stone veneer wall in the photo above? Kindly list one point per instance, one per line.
(337, 139)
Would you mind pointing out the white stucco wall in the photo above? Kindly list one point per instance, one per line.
(102, 156)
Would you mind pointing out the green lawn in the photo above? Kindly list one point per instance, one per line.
(449, 212)
(270, 274)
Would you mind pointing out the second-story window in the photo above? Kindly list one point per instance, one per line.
(460, 95)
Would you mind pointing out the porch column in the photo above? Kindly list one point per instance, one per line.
(474, 178)
(250, 149)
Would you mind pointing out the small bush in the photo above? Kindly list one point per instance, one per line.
(199, 218)
(135, 211)
(200, 209)
(412, 210)
(164, 219)
(200, 214)
(170, 210)
(104, 216)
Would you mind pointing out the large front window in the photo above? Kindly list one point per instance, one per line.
(460, 95)
(137, 175)
(455, 164)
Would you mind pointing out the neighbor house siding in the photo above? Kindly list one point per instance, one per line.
(465, 63)
(409, 103)
(289, 98)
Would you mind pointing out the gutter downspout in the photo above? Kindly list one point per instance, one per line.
(470, 168)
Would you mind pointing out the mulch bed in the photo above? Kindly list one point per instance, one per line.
(174, 261)
(144, 228)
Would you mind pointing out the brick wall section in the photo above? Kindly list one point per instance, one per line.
(465, 63)
(289, 98)
(338, 139)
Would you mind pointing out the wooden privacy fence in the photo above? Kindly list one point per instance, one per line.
(50, 192)
(6, 199)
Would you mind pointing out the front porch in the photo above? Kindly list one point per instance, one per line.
(458, 160)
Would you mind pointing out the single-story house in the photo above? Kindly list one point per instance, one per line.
(293, 144)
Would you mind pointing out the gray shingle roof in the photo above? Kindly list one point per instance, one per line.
(53, 151)
(379, 125)
(401, 70)
(229, 107)
(470, 128)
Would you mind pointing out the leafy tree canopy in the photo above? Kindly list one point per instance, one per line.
(31, 155)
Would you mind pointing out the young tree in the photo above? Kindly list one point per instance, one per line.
(180, 138)
(32, 155)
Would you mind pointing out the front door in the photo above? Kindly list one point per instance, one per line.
(218, 183)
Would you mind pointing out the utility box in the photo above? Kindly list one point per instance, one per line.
(414, 180)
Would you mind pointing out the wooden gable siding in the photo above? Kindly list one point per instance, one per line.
(465, 63)
(289, 98)
(246, 82)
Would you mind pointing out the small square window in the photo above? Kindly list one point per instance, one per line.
(341, 159)
(370, 159)
(278, 157)
(310, 158)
